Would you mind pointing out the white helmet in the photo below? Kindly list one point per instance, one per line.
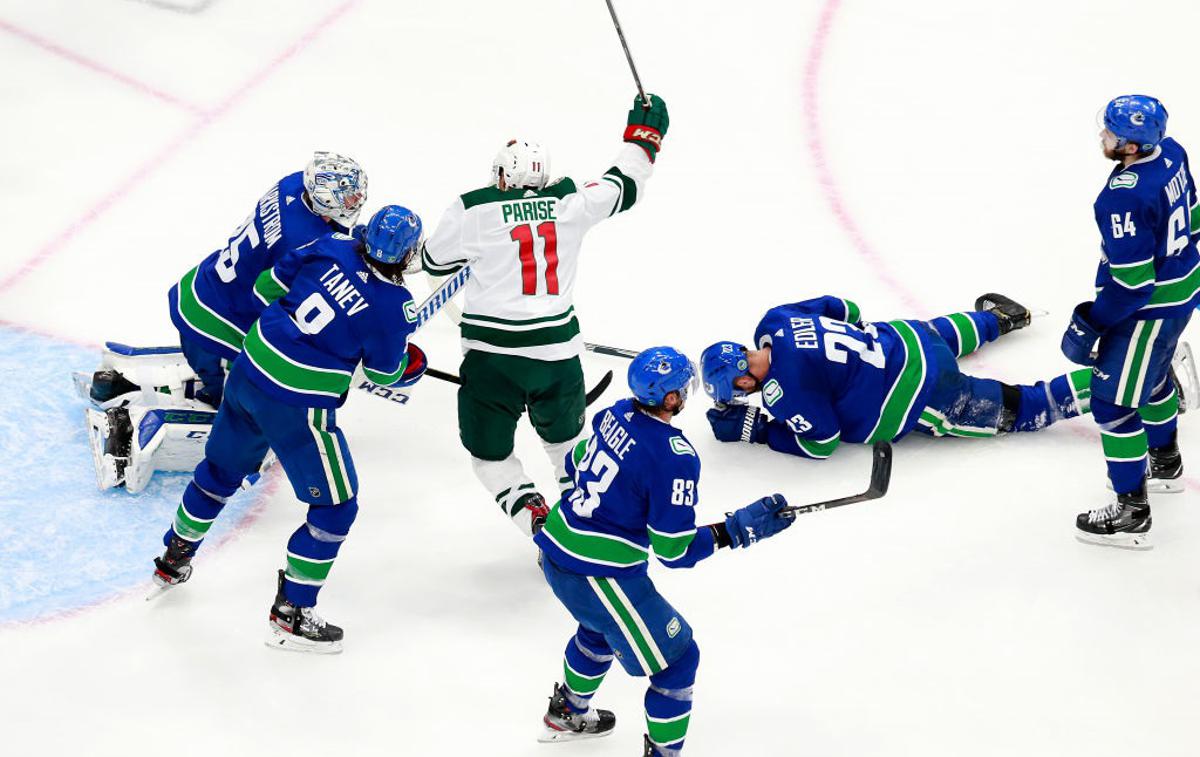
(525, 164)
(336, 186)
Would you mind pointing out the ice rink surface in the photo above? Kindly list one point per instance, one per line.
(907, 155)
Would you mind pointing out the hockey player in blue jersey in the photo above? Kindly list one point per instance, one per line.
(213, 305)
(826, 377)
(635, 487)
(1147, 285)
(336, 303)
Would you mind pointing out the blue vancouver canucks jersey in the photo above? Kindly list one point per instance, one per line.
(213, 302)
(329, 311)
(1149, 223)
(833, 379)
(635, 488)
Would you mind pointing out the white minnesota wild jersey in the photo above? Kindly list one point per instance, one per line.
(523, 248)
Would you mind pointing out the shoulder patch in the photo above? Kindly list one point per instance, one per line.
(680, 446)
(772, 392)
(342, 237)
(1125, 180)
(410, 311)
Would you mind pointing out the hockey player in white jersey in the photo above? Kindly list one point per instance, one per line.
(521, 238)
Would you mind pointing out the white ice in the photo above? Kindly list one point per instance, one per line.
(907, 155)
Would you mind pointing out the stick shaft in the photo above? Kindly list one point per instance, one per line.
(625, 46)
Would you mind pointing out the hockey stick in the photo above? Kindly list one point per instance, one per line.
(636, 79)
(881, 475)
(592, 395)
(604, 349)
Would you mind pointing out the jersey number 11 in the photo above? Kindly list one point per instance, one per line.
(523, 235)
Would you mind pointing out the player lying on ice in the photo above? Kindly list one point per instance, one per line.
(336, 303)
(634, 489)
(826, 378)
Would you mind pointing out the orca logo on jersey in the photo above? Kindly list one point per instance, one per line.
(1127, 180)
(673, 628)
(680, 447)
(772, 392)
(410, 311)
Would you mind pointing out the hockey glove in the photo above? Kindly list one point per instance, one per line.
(758, 521)
(647, 126)
(1081, 336)
(416, 367)
(739, 423)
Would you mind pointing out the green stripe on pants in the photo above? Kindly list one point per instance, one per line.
(624, 615)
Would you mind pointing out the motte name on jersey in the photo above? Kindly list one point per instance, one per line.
(615, 435)
(342, 291)
(1177, 185)
(528, 210)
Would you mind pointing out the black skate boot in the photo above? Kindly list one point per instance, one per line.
(648, 746)
(1124, 523)
(532, 506)
(1166, 468)
(174, 567)
(1010, 314)
(563, 723)
(300, 629)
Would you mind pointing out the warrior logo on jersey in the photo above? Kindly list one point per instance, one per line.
(772, 392)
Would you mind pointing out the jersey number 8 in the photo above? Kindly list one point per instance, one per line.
(598, 466)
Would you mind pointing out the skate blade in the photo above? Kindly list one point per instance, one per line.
(279, 639)
(553, 736)
(158, 590)
(1138, 542)
(1159, 486)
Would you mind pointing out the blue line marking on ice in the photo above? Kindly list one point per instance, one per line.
(64, 544)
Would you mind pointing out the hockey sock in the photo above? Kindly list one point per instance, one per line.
(669, 703)
(967, 332)
(312, 549)
(557, 453)
(585, 661)
(1043, 403)
(1161, 416)
(203, 499)
(505, 479)
(1124, 441)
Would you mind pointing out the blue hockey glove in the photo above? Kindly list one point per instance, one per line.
(739, 423)
(1081, 336)
(758, 520)
(416, 367)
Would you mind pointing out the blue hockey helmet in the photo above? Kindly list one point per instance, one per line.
(720, 365)
(657, 372)
(1139, 119)
(392, 234)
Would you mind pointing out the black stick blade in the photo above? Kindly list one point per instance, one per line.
(595, 392)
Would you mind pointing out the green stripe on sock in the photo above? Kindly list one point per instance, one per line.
(579, 683)
(1124, 447)
(188, 527)
(1162, 411)
(303, 570)
(667, 732)
(966, 328)
(626, 618)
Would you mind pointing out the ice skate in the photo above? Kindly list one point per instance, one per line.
(563, 723)
(300, 629)
(173, 568)
(1011, 315)
(1124, 523)
(1166, 470)
(1183, 375)
(529, 513)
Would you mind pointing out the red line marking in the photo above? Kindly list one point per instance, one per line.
(876, 262)
(99, 68)
(161, 157)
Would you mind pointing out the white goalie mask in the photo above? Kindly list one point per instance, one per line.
(525, 164)
(336, 186)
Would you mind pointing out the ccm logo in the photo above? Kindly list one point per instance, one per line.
(645, 134)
